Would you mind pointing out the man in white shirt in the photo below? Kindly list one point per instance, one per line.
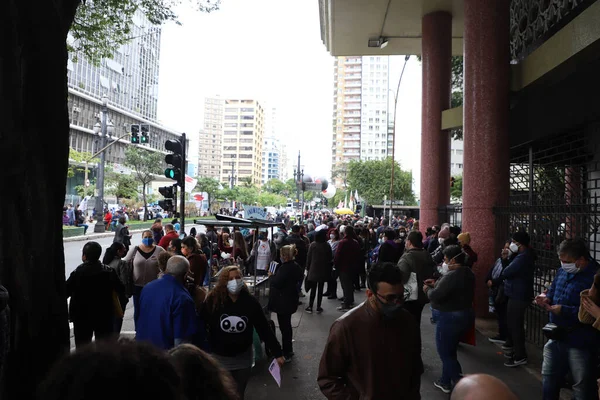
(265, 252)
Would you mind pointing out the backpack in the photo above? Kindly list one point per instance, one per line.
(374, 255)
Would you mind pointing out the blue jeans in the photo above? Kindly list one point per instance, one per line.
(559, 358)
(451, 327)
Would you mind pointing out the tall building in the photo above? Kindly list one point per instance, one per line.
(130, 83)
(272, 161)
(243, 135)
(361, 110)
(209, 152)
(456, 157)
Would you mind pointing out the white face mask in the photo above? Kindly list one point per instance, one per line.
(514, 248)
(445, 269)
(234, 286)
(570, 268)
(441, 241)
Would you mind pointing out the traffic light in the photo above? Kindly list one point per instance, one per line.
(166, 204)
(135, 134)
(145, 133)
(166, 191)
(176, 160)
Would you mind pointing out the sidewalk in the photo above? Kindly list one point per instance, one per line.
(91, 235)
(299, 378)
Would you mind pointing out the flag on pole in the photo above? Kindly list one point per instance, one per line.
(346, 201)
(190, 184)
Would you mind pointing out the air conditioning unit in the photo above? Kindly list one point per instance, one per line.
(76, 109)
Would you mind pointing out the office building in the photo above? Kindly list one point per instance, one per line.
(362, 128)
(456, 157)
(272, 160)
(243, 136)
(209, 152)
(130, 83)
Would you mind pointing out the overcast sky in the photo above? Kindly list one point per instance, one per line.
(270, 50)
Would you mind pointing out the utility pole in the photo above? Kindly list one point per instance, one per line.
(183, 171)
(298, 180)
(99, 227)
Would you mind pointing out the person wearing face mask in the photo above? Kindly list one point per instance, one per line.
(373, 352)
(573, 345)
(232, 314)
(497, 300)
(416, 260)
(283, 296)
(518, 288)
(452, 297)
(144, 266)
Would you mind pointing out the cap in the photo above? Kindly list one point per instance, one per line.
(464, 238)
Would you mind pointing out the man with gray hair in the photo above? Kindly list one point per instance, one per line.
(167, 311)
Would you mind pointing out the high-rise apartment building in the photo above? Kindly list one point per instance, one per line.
(361, 110)
(243, 136)
(456, 157)
(129, 80)
(211, 144)
(272, 160)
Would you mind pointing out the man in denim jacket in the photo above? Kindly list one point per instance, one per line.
(575, 346)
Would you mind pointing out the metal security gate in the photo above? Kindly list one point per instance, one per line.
(554, 195)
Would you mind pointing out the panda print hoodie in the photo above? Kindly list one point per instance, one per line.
(231, 326)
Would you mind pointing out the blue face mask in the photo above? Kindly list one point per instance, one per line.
(147, 241)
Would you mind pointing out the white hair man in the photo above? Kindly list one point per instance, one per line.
(167, 311)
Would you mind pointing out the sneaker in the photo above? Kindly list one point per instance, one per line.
(308, 310)
(510, 354)
(319, 310)
(497, 339)
(507, 347)
(515, 363)
(444, 388)
(343, 308)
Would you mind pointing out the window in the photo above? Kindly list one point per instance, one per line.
(231, 125)
(231, 117)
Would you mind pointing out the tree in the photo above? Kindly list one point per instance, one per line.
(456, 190)
(372, 179)
(145, 164)
(290, 188)
(210, 186)
(276, 186)
(246, 182)
(122, 186)
(76, 159)
(34, 152)
(340, 171)
(267, 199)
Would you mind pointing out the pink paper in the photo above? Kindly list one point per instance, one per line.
(275, 372)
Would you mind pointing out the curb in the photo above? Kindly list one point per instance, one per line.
(95, 236)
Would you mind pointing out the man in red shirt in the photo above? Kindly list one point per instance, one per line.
(170, 235)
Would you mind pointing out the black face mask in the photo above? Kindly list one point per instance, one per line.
(390, 311)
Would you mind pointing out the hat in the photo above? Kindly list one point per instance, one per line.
(464, 238)
(321, 227)
(444, 233)
(521, 237)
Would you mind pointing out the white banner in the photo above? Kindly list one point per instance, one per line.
(190, 184)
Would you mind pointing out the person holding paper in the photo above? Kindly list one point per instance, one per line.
(232, 314)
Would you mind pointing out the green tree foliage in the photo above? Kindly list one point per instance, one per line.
(77, 161)
(290, 188)
(122, 186)
(246, 182)
(372, 179)
(340, 172)
(276, 186)
(102, 26)
(145, 165)
(210, 186)
(267, 199)
(456, 190)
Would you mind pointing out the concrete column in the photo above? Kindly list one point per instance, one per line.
(435, 143)
(486, 119)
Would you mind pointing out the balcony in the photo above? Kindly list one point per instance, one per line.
(351, 92)
(352, 99)
(352, 76)
(355, 106)
(353, 69)
(352, 121)
(353, 84)
(353, 61)
(351, 114)
(352, 145)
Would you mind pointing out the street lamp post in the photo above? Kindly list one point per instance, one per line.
(99, 227)
(394, 142)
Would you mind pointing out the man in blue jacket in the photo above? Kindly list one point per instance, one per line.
(518, 288)
(572, 346)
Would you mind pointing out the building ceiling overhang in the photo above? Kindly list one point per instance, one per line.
(347, 25)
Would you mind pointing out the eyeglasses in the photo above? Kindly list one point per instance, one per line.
(391, 298)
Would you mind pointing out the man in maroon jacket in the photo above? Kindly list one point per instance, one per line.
(165, 241)
(347, 257)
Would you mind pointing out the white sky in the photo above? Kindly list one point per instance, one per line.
(271, 50)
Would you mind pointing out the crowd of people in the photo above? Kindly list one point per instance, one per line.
(211, 325)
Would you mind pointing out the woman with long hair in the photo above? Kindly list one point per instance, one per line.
(145, 267)
(284, 296)
(113, 258)
(198, 262)
(231, 314)
(240, 249)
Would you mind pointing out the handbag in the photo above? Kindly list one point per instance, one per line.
(411, 288)
(118, 310)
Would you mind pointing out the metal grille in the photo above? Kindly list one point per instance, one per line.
(451, 214)
(554, 195)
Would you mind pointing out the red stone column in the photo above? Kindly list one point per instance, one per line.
(486, 117)
(435, 143)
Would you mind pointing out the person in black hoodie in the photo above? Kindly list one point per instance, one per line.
(231, 314)
(92, 288)
(389, 250)
(4, 329)
(283, 297)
